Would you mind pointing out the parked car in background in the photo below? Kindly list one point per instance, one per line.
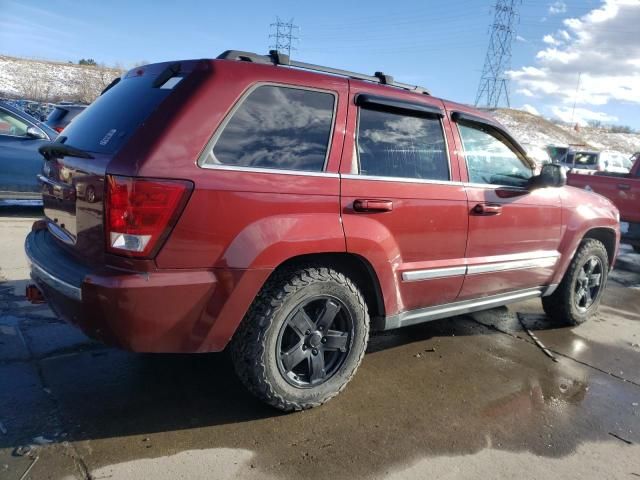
(283, 209)
(63, 114)
(20, 162)
(615, 162)
(623, 189)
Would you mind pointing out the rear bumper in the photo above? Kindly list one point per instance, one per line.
(160, 311)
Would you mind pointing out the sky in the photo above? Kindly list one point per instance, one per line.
(565, 52)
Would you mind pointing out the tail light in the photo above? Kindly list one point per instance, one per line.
(58, 129)
(141, 212)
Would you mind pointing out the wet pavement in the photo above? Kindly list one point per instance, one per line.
(466, 397)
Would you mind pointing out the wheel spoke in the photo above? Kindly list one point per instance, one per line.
(316, 367)
(301, 323)
(588, 298)
(583, 275)
(336, 340)
(580, 293)
(594, 279)
(591, 265)
(293, 357)
(327, 315)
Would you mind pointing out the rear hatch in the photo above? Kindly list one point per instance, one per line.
(73, 177)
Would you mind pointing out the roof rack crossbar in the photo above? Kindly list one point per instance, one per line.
(277, 58)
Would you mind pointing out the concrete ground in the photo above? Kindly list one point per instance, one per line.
(467, 397)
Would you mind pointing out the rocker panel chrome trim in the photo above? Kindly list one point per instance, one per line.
(437, 312)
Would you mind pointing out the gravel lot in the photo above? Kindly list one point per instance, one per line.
(467, 397)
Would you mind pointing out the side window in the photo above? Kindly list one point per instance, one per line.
(277, 127)
(490, 160)
(396, 145)
(12, 125)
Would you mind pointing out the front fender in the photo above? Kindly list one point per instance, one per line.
(582, 212)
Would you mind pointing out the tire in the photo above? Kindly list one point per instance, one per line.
(90, 194)
(577, 297)
(276, 334)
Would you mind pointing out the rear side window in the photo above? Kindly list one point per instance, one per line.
(396, 145)
(277, 127)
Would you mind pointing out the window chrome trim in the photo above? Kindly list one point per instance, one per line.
(200, 162)
(278, 171)
(444, 137)
(354, 176)
(417, 275)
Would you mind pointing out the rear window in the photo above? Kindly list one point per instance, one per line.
(585, 159)
(108, 122)
(277, 127)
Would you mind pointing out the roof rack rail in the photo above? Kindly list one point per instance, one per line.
(276, 58)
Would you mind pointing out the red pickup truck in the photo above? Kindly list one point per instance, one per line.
(623, 190)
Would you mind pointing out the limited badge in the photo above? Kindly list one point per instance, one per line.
(108, 136)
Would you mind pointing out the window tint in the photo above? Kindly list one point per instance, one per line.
(12, 125)
(490, 160)
(277, 127)
(394, 145)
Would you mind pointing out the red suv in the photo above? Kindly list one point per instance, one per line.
(283, 209)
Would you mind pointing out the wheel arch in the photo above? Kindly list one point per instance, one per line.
(353, 266)
(608, 238)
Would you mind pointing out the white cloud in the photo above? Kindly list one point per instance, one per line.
(520, 38)
(557, 7)
(602, 46)
(581, 116)
(530, 108)
(526, 92)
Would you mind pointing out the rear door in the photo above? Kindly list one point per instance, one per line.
(514, 233)
(402, 204)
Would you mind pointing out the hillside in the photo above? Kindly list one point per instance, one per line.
(529, 128)
(44, 81)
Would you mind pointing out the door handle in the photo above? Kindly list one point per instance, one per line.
(623, 186)
(367, 205)
(487, 209)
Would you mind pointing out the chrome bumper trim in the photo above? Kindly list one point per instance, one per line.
(40, 274)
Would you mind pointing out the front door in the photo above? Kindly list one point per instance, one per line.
(20, 162)
(514, 233)
(403, 207)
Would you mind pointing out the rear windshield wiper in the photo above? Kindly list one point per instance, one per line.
(58, 150)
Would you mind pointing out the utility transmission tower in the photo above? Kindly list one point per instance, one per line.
(285, 34)
(494, 84)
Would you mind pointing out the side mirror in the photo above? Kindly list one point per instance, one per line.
(36, 133)
(551, 175)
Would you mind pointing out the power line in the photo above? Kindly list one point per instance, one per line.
(285, 34)
(494, 84)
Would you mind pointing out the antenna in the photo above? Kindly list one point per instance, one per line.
(494, 84)
(285, 34)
